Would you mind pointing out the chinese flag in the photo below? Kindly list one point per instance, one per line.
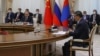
(48, 17)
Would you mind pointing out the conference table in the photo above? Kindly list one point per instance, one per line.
(28, 43)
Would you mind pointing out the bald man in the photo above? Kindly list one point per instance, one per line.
(27, 18)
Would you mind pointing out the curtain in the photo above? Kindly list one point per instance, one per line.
(82, 5)
(87, 5)
(32, 5)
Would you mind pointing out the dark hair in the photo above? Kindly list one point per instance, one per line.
(19, 9)
(95, 11)
(78, 13)
(37, 9)
(10, 9)
(84, 12)
(27, 10)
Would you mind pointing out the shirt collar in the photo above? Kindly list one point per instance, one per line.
(78, 21)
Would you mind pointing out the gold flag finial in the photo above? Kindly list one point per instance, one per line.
(47, 0)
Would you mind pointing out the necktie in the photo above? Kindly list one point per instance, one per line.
(36, 15)
(9, 16)
(84, 17)
(17, 15)
(26, 19)
(94, 17)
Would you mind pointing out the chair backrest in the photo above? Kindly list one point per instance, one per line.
(92, 33)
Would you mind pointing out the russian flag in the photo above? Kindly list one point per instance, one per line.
(57, 14)
(65, 14)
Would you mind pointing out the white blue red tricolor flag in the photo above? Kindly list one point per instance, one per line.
(57, 14)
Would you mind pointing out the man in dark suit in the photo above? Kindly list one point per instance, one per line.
(38, 16)
(71, 20)
(10, 16)
(18, 15)
(30, 13)
(81, 32)
(27, 19)
(95, 19)
(86, 16)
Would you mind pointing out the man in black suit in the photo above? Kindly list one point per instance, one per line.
(38, 16)
(10, 16)
(30, 13)
(71, 20)
(95, 19)
(27, 19)
(86, 16)
(81, 32)
(18, 15)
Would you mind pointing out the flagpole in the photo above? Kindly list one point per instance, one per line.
(48, 16)
(72, 5)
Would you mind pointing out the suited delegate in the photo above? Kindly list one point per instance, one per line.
(27, 19)
(86, 16)
(10, 16)
(81, 32)
(30, 13)
(95, 19)
(18, 15)
(71, 20)
(38, 16)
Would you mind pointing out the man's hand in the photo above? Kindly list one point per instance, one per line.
(93, 22)
(70, 30)
(16, 19)
(25, 23)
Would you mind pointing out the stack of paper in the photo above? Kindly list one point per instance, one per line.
(59, 33)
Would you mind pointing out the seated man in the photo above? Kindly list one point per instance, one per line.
(81, 32)
(95, 19)
(38, 16)
(71, 20)
(18, 15)
(27, 19)
(30, 13)
(86, 16)
(10, 16)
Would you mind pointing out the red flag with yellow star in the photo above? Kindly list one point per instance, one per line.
(48, 17)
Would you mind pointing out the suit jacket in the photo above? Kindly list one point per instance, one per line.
(30, 14)
(20, 16)
(81, 31)
(39, 19)
(29, 19)
(87, 17)
(71, 22)
(97, 19)
(9, 17)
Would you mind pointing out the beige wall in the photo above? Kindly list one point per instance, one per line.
(9, 3)
(2, 10)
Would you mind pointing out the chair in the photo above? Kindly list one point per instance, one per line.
(90, 41)
(98, 29)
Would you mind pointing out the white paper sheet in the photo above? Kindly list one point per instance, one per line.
(59, 33)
